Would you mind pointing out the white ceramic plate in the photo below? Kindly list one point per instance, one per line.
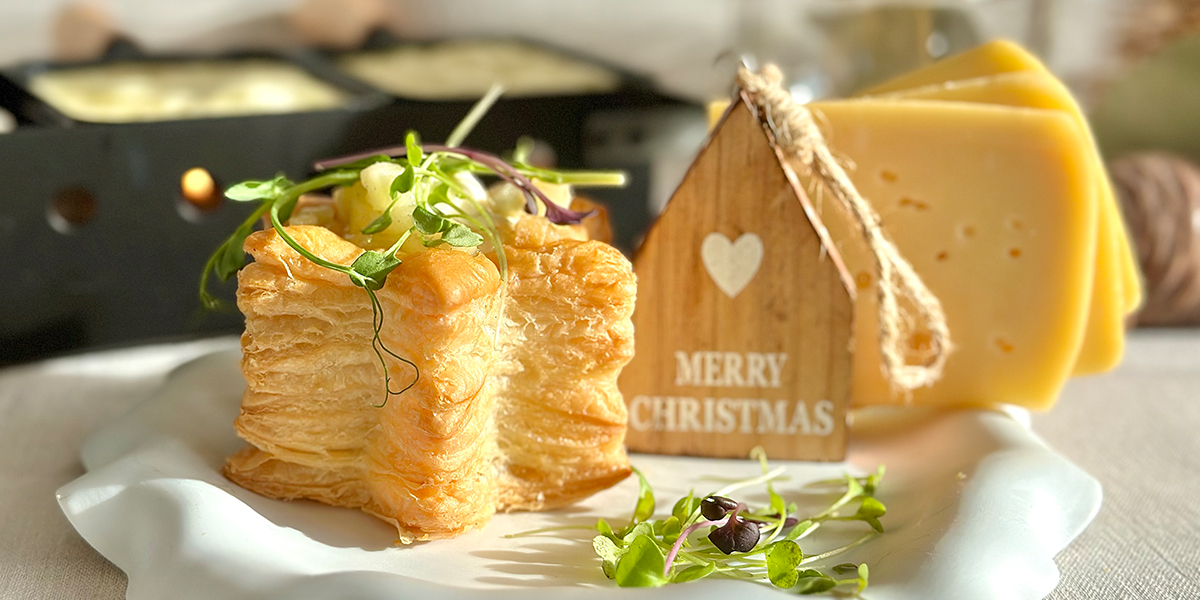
(977, 508)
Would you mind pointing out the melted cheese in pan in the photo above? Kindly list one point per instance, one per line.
(162, 91)
(466, 69)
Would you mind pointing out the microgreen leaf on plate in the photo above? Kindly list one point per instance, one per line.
(641, 565)
(685, 506)
(644, 508)
(811, 581)
(606, 530)
(782, 559)
(608, 552)
(843, 568)
(871, 507)
(694, 572)
(718, 536)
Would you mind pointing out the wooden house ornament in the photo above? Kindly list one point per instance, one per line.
(745, 311)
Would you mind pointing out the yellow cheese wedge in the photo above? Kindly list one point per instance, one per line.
(1002, 56)
(996, 208)
(1104, 341)
(1024, 89)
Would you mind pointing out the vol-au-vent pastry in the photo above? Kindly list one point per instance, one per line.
(510, 341)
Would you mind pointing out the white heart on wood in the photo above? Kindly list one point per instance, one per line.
(731, 265)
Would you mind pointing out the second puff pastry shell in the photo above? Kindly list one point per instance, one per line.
(516, 406)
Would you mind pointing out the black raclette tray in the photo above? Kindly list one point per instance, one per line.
(383, 41)
(130, 272)
(30, 109)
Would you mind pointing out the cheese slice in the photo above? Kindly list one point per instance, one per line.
(1002, 56)
(996, 208)
(1104, 341)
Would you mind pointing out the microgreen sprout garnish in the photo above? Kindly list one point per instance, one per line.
(717, 536)
(482, 163)
(444, 212)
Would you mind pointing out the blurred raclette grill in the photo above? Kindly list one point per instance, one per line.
(139, 91)
(105, 226)
(463, 70)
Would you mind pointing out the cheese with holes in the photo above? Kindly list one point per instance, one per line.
(1104, 340)
(996, 208)
(1000, 57)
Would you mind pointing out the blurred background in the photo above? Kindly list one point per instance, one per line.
(123, 120)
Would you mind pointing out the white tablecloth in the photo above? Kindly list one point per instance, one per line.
(1134, 429)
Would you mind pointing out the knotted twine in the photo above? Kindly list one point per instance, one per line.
(797, 135)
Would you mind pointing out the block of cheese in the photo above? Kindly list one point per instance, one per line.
(996, 207)
(1104, 340)
(999, 57)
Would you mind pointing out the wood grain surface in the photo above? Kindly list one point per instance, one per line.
(764, 361)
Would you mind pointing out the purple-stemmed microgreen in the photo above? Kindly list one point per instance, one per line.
(428, 180)
(679, 541)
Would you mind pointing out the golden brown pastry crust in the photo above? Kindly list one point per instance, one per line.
(562, 419)
(597, 225)
(524, 418)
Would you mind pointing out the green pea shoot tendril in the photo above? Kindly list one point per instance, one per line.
(428, 179)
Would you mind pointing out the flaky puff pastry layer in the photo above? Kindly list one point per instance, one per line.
(516, 406)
